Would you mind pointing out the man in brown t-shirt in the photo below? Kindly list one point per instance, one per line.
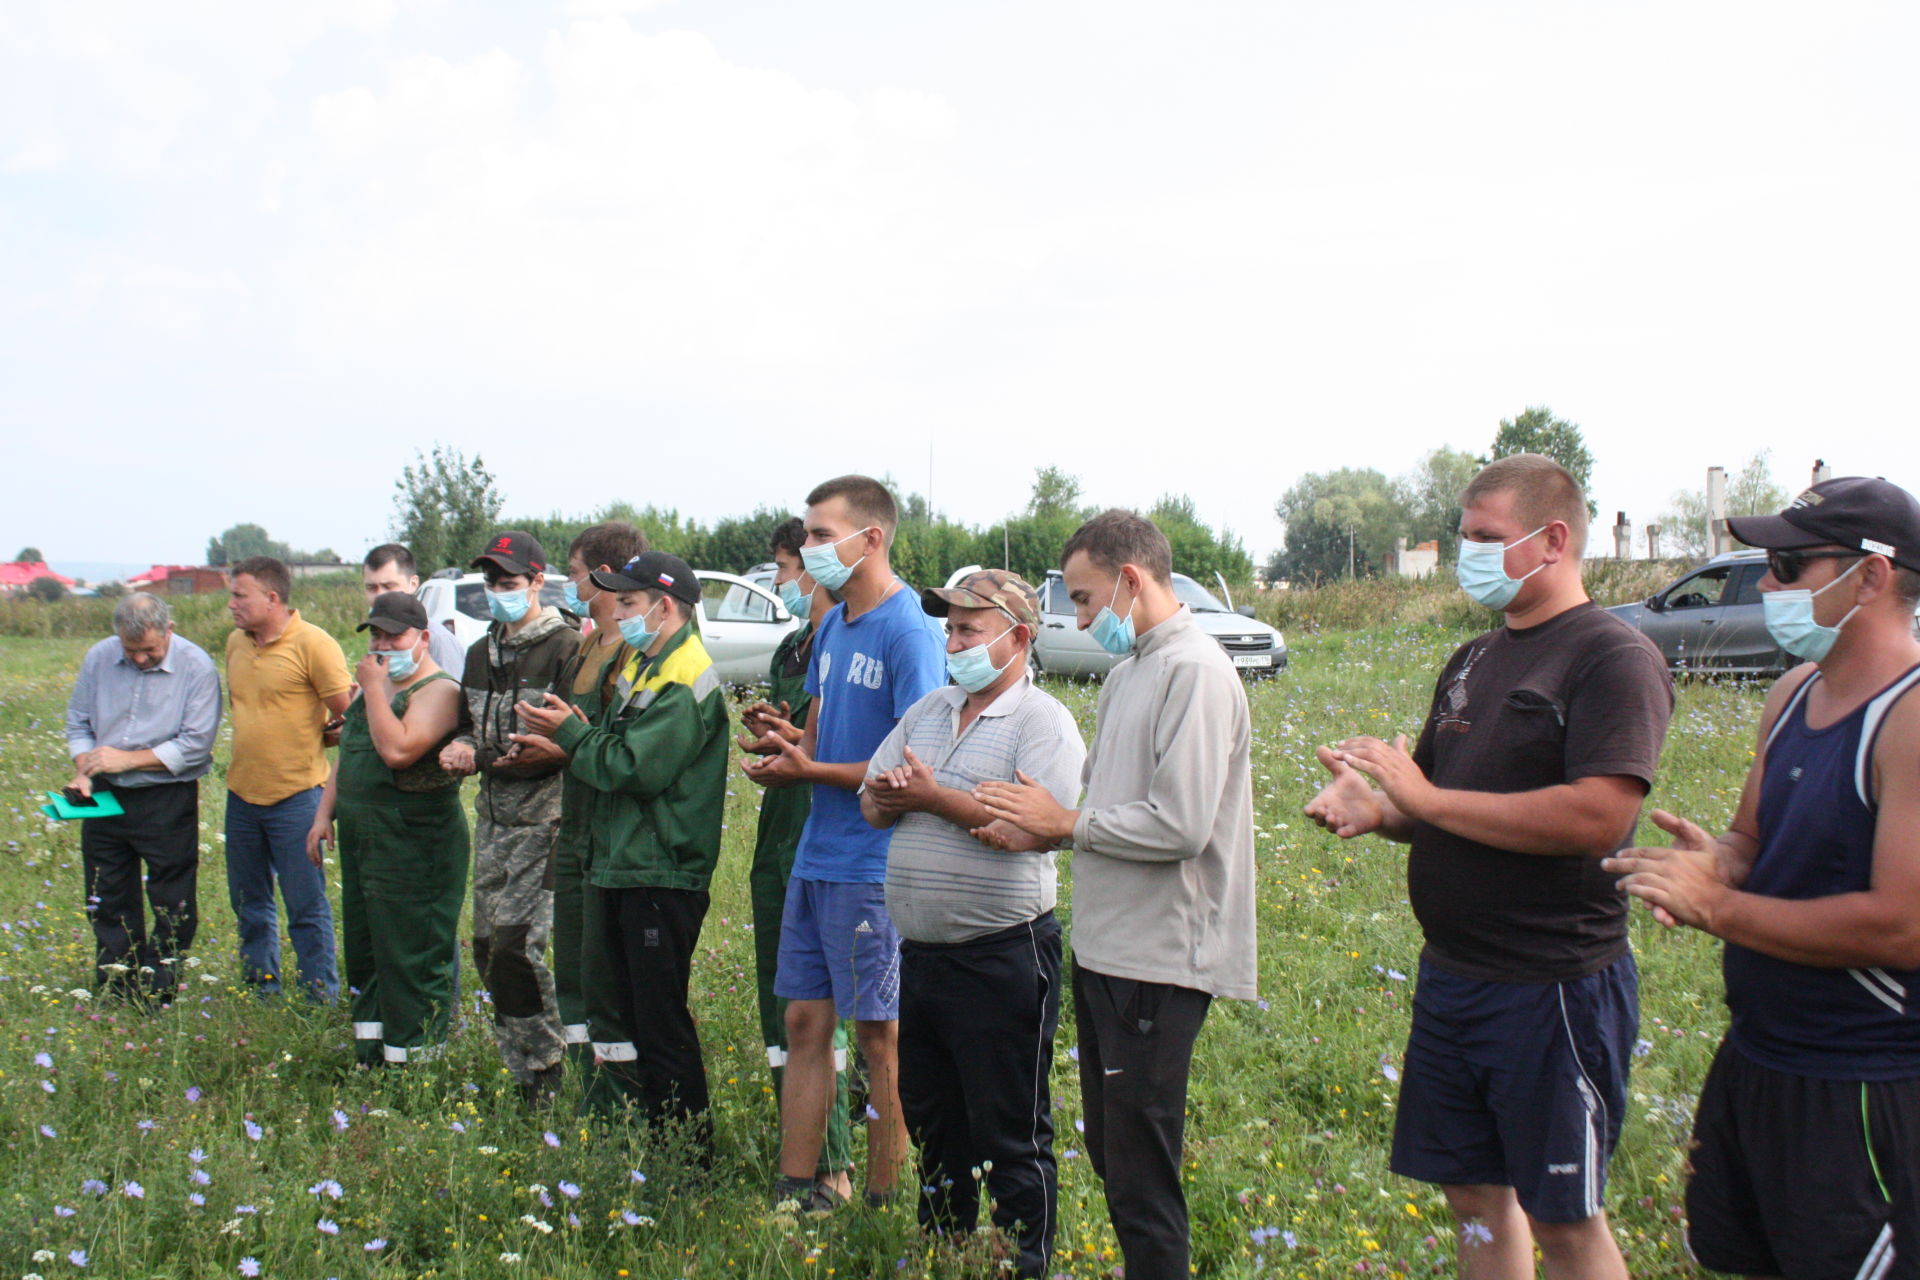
(1536, 755)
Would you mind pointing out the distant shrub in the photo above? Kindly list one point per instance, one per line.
(1360, 603)
(47, 590)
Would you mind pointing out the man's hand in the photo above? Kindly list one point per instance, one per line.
(1681, 885)
(766, 731)
(1028, 805)
(1007, 838)
(1392, 770)
(759, 719)
(531, 751)
(318, 837)
(457, 759)
(909, 788)
(371, 675)
(547, 718)
(789, 764)
(82, 781)
(1348, 806)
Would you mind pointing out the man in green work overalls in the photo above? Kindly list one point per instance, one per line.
(403, 840)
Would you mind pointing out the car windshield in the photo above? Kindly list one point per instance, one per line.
(1195, 596)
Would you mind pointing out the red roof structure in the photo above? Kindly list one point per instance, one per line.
(15, 575)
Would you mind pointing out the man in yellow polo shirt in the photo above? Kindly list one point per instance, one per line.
(288, 682)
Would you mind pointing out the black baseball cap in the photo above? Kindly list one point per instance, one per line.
(394, 612)
(1869, 513)
(652, 571)
(516, 551)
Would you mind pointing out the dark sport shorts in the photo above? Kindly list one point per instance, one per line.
(1518, 1084)
(1804, 1177)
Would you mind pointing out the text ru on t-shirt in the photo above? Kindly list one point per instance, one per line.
(864, 674)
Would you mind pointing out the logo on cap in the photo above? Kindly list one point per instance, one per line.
(1880, 548)
(505, 544)
(666, 579)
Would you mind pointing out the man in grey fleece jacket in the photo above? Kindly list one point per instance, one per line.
(1163, 917)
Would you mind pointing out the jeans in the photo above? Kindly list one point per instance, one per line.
(266, 842)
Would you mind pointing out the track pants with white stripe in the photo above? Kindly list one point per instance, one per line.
(976, 1046)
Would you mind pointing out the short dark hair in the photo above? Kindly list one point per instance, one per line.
(868, 501)
(1906, 585)
(1543, 491)
(611, 543)
(268, 572)
(391, 553)
(1117, 537)
(789, 536)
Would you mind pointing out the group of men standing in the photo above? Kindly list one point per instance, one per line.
(918, 786)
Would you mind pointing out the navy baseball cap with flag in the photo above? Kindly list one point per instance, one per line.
(652, 571)
(1864, 513)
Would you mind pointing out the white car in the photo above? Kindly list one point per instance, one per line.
(741, 621)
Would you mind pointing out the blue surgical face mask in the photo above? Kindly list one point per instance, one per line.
(1112, 632)
(1482, 570)
(823, 562)
(575, 605)
(972, 669)
(1789, 615)
(400, 663)
(634, 630)
(796, 602)
(507, 606)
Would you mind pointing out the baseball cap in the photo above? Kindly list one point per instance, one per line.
(395, 611)
(1865, 512)
(516, 551)
(652, 571)
(986, 589)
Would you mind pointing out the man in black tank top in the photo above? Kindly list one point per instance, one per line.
(1807, 1140)
(1536, 755)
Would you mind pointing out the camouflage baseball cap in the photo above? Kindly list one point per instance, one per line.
(986, 589)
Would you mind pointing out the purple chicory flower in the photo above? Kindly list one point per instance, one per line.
(375, 1245)
(47, 1086)
(570, 1190)
(47, 1131)
(200, 1178)
(551, 1138)
(327, 1226)
(197, 1200)
(196, 1155)
(635, 1176)
(254, 1131)
(61, 1211)
(193, 1093)
(249, 1267)
(43, 1060)
(145, 1126)
(94, 1187)
(339, 1120)
(78, 1257)
(134, 1191)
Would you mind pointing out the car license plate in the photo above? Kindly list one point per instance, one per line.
(1252, 659)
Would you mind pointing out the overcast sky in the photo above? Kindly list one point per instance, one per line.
(703, 254)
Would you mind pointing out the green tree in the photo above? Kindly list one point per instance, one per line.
(29, 555)
(1538, 431)
(1753, 492)
(243, 540)
(1198, 551)
(1339, 523)
(1431, 493)
(1055, 493)
(444, 506)
(737, 543)
(47, 590)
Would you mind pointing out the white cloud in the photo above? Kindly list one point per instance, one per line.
(612, 8)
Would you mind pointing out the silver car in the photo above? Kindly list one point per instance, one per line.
(1062, 648)
(1710, 620)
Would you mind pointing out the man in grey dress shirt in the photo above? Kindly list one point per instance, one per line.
(140, 727)
(980, 948)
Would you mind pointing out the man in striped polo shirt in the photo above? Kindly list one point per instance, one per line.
(980, 948)
(1806, 1147)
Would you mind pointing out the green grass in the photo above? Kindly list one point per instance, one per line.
(1291, 1103)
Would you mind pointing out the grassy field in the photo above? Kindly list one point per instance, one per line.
(228, 1137)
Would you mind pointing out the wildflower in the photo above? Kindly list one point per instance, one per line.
(1476, 1232)
(327, 1187)
(489, 1151)
(544, 1228)
(43, 1255)
(569, 1190)
(134, 1191)
(573, 1220)
(551, 1138)
(43, 1060)
(193, 1093)
(458, 1127)
(200, 1178)
(197, 1200)
(196, 1155)
(244, 1208)
(635, 1176)
(47, 1131)
(339, 1121)
(61, 1211)
(375, 1245)
(509, 1257)
(254, 1131)
(78, 1257)
(629, 1217)
(249, 1266)
(48, 1086)
(94, 1187)
(145, 1126)
(1641, 1048)
(327, 1226)
(1287, 1238)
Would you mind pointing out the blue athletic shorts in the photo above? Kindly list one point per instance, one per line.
(1518, 1084)
(837, 940)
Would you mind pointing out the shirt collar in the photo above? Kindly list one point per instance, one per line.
(1149, 640)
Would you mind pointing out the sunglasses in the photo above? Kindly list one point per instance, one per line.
(1787, 565)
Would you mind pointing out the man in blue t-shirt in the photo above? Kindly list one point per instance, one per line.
(877, 653)
(1805, 1159)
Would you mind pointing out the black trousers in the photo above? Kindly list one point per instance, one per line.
(976, 1043)
(1136, 1045)
(649, 935)
(161, 829)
